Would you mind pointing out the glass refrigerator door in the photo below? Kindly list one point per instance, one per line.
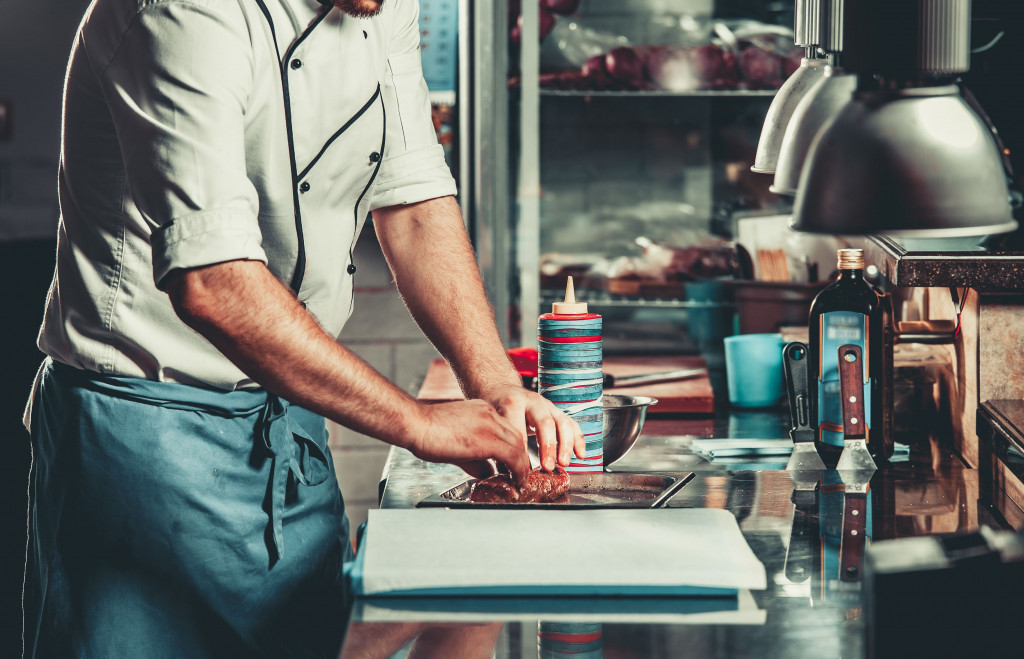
(612, 141)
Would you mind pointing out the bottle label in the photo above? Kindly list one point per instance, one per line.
(839, 328)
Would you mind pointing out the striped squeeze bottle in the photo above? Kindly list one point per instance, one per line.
(570, 372)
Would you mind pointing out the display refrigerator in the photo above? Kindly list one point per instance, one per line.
(612, 141)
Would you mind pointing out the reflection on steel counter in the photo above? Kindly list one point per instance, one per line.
(387, 639)
(578, 640)
(807, 612)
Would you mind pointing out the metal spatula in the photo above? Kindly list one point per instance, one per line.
(855, 465)
(804, 457)
(855, 455)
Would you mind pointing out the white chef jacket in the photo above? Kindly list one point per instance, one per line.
(203, 131)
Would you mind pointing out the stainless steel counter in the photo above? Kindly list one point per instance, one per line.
(809, 610)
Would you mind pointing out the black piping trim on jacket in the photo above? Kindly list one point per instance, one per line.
(300, 261)
(383, 143)
(338, 133)
(355, 211)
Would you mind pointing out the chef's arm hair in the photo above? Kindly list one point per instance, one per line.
(242, 309)
(247, 314)
(430, 255)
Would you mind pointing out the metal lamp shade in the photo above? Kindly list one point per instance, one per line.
(821, 105)
(781, 110)
(919, 163)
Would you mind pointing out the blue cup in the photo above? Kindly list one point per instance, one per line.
(753, 367)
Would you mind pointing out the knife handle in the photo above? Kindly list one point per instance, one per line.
(794, 366)
(652, 378)
(851, 547)
(851, 390)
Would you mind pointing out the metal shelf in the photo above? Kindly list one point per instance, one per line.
(696, 93)
(607, 300)
(501, 168)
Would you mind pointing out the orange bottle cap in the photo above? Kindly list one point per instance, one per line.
(569, 307)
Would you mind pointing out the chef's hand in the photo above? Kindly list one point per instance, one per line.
(558, 436)
(469, 433)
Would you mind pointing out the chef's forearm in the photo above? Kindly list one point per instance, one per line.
(243, 310)
(435, 270)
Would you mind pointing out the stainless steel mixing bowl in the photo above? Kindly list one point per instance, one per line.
(623, 420)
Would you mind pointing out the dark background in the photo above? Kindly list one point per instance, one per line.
(38, 37)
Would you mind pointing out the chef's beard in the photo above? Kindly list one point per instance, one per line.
(360, 8)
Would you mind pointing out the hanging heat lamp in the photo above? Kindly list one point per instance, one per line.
(907, 155)
(806, 33)
(819, 106)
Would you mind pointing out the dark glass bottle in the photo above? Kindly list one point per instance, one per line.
(850, 311)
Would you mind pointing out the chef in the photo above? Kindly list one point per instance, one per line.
(218, 160)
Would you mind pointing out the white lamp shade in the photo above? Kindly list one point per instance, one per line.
(781, 110)
(820, 106)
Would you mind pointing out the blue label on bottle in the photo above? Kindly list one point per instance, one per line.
(839, 328)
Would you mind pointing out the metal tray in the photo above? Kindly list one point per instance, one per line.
(600, 490)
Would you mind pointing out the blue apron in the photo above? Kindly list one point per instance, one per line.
(175, 521)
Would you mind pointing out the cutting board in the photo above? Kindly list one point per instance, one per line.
(671, 552)
(692, 396)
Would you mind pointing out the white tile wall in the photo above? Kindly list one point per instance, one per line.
(411, 362)
(358, 472)
(379, 316)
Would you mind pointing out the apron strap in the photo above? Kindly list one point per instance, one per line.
(293, 455)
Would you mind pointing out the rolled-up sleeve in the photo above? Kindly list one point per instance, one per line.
(203, 239)
(177, 88)
(413, 168)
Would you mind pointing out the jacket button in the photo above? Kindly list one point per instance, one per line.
(304, 186)
(351, 269)
(374, 157)
(296, 63)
